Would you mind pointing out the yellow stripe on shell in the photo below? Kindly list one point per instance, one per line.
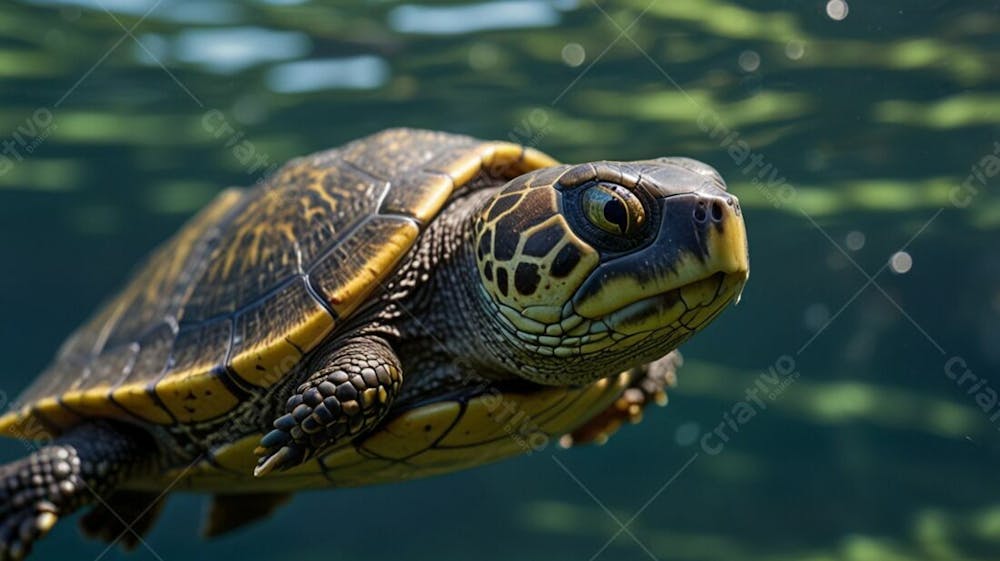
(53, 412)
(31, 422)
(136, 399)
(345, 298)
(90, 402)
(195, 396)
(270, 359)
(514, 159)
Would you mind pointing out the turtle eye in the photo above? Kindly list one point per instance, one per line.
(614, 209)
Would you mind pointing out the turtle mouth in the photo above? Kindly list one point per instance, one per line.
(689, 306)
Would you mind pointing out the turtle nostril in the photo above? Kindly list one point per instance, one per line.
(717, 211)
(699, 212)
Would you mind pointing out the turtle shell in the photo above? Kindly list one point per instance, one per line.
(257, 279)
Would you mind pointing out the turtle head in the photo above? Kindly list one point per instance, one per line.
(591, 269)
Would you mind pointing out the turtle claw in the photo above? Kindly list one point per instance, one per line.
(277, 453)
(278, 450)
(281, 460)
(22, 528)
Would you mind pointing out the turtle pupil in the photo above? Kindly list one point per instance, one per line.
(615, 213)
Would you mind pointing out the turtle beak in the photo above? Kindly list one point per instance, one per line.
(701, 216)
(719, 228)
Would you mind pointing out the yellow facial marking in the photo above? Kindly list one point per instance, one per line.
(529, 259)
(621, 290)
(729, 249)
(545, 314)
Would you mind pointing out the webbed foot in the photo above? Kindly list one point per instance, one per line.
(648, 386)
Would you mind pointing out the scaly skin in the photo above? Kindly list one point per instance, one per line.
(349, 393)
(75, 470)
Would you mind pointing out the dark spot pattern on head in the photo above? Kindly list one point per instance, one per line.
(502, 280)
(532, 209)
(505, 244)
(536, 204)
(485, 244)
(565, 261)
(502, 205)
(526, 278)
(543, 241)
(488, 271)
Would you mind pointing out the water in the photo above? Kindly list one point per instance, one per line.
(863, 129)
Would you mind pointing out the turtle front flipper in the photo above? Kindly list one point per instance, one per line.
(348, 393)
(73, 471)
(649, 385)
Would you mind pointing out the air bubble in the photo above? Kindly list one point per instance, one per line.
(901, 262)
(573, 54)
(749, 61)
(837, 10)
(795, 50)
(855, 240)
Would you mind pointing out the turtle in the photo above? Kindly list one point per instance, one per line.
(409, 304)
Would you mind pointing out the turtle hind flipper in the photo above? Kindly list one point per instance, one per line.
(230, 512)
(125, 517)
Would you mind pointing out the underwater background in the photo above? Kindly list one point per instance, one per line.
(861, 137)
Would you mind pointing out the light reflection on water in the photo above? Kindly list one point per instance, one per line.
(229, 50)
(360, 72)
(448, 20)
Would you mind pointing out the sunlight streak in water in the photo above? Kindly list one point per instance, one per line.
(234, 49)
(449, 20)
(356, 73)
